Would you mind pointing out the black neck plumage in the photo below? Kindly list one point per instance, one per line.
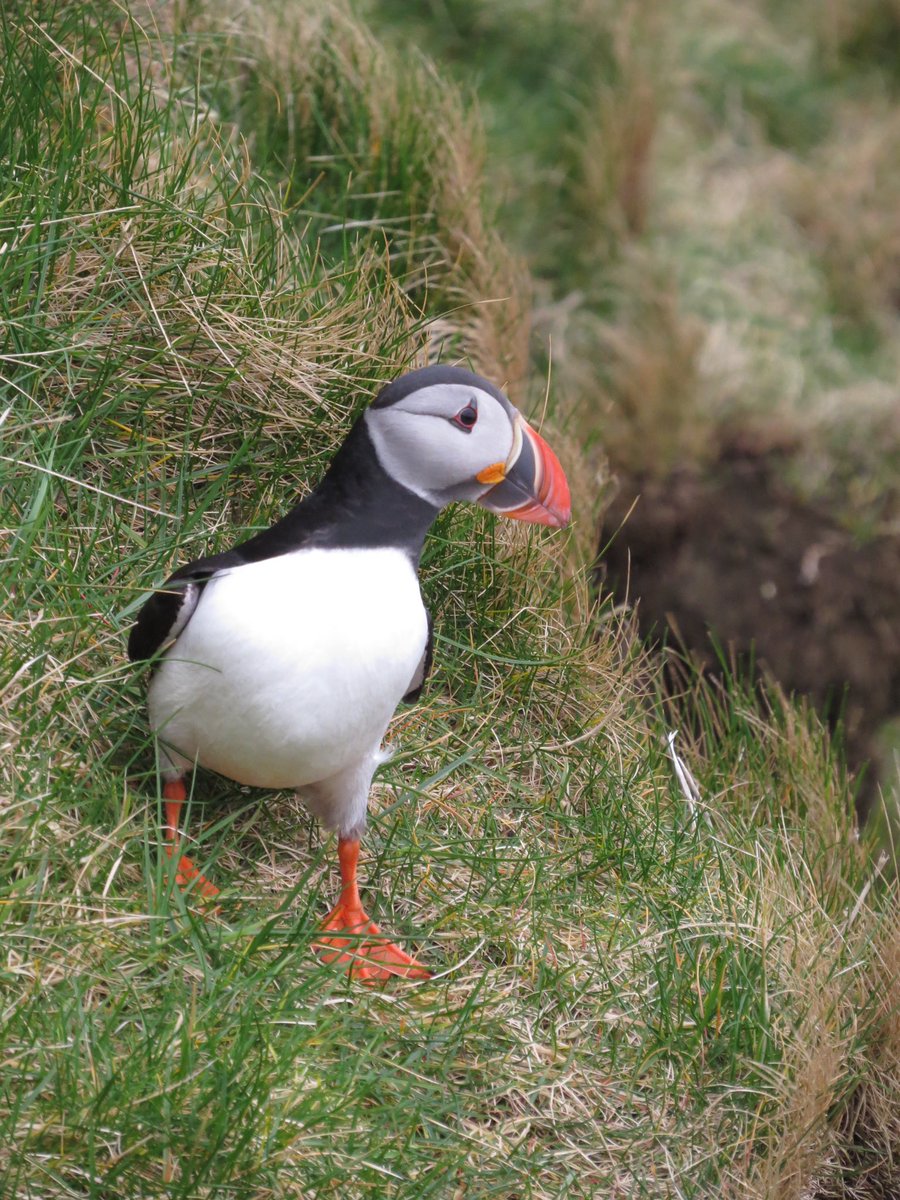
(357, 505)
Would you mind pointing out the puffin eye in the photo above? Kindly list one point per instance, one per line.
(466, 417)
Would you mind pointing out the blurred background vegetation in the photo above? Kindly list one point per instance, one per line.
(707, 195)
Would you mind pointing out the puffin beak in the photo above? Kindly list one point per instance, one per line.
(531, 485)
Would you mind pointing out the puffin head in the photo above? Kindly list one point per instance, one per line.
(447, 434)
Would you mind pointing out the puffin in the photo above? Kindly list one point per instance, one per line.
(279, 663)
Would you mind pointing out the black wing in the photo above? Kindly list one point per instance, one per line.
(424, 668)
(171, 606)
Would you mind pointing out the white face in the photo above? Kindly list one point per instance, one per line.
(438, 439)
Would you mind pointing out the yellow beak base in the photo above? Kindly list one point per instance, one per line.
(495, 473)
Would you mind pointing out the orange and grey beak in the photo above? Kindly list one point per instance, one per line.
(531, 485)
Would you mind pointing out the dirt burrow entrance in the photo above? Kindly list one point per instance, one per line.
(734, 558)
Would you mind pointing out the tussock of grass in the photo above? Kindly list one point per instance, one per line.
(846, 201)
(652, 368)
(851, 35)
(614, 143)
(214, 234)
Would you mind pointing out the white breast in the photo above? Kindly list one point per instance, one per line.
(290, 668)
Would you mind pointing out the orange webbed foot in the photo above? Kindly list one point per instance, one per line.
(188, 876)
(360, 945)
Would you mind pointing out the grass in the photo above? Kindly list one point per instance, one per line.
(215, 233)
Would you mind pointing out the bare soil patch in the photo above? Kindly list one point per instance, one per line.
(732, 562)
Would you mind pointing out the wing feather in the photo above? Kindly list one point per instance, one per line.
(172, 605)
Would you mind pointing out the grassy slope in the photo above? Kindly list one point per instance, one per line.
(213, 246)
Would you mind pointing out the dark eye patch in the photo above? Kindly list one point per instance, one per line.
(466, 417)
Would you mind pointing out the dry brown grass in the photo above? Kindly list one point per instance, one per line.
(815, 985)
(847, 201)
(870, 1127)
(838, 1128)
(798, 1148)
(841, 27)
(615, 139)
(462, 261)
(827, 1125)
(649, 359)
(491, 284)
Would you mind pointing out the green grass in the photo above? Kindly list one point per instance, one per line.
(626, 999)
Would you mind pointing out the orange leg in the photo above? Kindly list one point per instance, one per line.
(369, 955)
(174, 795)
